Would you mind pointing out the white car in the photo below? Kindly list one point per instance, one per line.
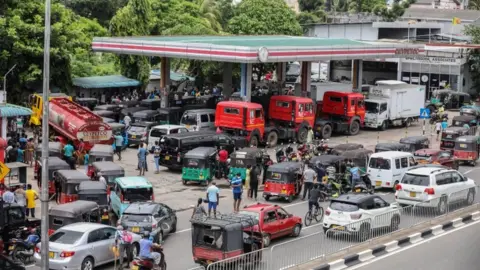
(158, 132)
(359, 214)
(82, 246)
(434, 186)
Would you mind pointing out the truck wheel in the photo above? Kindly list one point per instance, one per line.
(272, 139)
(383, 126)
(408, 122)
(326, 131)
(253, 141)
(302, 135)
(354, 128)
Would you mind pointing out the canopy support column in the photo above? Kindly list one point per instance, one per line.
(227, 79)
(357, 74)
(164, 80)
(306, 78)
(281, 72)
(246, 81)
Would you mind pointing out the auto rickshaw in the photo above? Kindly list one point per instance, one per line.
(99, 152)
(109, 170)
(94, 191)
(391, 146)
(227, 237)
(473, 110)
(170, 116)
(151, 104)
(467, 149)
(415, 143)
(70, 179)
(359, 157)
(462, 120)
(339, 149)
(283, 180)
(72, 212)
(54, 150)
(239, 160)
(130, 111)
(199, 165)
(107, 114)
(449, 135)
(338, 184)
(90, 103)
(54, 164)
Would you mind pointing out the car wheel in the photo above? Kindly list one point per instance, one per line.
(394, 223)
(442, 205)
(266, 240)
(470, 197)
(87, 264)
(354, 128)
(174, 227)
(296, 230)
(302, 135)
(364, 232)
(408, 122)
(272, 139)
(326, 131)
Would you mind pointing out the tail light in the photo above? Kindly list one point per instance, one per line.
(430, 191)
(398, 187)
(37, 250)
(283, 187)
(327, 212)
(266, 185)
(67, 254)
(355, 216)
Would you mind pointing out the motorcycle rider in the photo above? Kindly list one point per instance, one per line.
(355, 174)
(31, 241)
(146, 245)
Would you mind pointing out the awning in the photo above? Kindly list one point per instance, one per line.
(112, 81)
(11, 110)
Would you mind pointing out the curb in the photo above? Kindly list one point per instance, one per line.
(380, 250)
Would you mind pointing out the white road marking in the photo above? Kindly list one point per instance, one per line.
(412, 246)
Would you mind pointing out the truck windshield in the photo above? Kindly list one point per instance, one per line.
(371, 107)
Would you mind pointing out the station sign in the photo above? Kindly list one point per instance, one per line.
(407, 51)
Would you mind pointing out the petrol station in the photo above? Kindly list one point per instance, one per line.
(249, 50)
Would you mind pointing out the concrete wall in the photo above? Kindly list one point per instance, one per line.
(362, 31)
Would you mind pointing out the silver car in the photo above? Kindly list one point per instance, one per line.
(83, 246)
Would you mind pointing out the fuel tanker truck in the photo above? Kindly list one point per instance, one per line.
(74, 122)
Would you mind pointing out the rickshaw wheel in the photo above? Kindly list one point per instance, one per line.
(185, 182)
(267, 197)
(290, 198)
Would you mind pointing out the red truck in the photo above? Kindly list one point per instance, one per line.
(340, 112)
(74, 122)
(288, 118)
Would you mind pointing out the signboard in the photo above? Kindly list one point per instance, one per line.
(406, 51)
(424, 113)
(434, 60)
(4, 170)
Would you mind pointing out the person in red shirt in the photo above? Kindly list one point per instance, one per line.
(222, 160)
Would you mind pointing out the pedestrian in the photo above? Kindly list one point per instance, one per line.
(237, 192)
(8, 196)
(20, 197)
(23, 141)
(199, 210)
(13, 153)
(222, 161)
(309, 135)
(58, 188)
(142, 160)
(124, 240)
(86, 160)
(102, 179)
(118, 145)
(31, 196)
(246, 185)
(68, 150)
(213, 196)
(20, 154)
(156, 156)
(254, 179)
(445, 124)
(29, 152)
(309, 177)
(438, 128)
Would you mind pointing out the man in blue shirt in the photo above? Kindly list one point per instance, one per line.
(146, 245)
(237, 192)
(118, 145)
(213, 196)
(68, 153)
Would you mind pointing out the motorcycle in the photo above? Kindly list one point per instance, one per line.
(280, 154)
(23, 250)
(365, 185)
(148, 264)
(321, 148)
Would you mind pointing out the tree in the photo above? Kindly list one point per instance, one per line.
(474, 55)
(102, 10)
(310, 5)
(225, 8)
(474, 4)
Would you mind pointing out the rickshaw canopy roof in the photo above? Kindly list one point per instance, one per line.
(149, 101)
(251, 152)
(230, 222)
(56, 163)
(357, 153)
(145, 113)
(116, 126)
(201, 152)
(169, 110)
(326, 160)
(133, 182)
(106, 107)
(132, 110)
(426, 151)
(285, 167)
(101, 150)
(52, 147)
(455, 130)
(106, 167)
(464, 118)
(86, 99)
(392, 146)
(92, 187)
(72, 176)
(104, 113)
(468, 139)
(347, 146)
(414, 140)
(72, 209)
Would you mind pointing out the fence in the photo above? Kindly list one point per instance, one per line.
(326, 242)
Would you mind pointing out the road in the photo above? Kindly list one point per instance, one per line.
(456, 250)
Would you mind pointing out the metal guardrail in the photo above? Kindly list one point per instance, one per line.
(321, 244)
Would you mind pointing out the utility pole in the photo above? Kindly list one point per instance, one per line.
(5, 82)
(46, 89)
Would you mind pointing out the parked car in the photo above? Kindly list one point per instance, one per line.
(274, 221)
(158, 132)
(434, 186)
(156, 218)
(358, 214)
(435, 156)
(82, 246)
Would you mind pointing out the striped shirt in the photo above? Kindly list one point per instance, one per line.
(331, 171)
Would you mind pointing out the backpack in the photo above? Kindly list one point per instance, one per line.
(127, 237)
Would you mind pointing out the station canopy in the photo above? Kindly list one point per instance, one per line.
(254, 49)
(110, 81)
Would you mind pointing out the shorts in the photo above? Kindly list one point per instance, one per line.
(212, 205)
(237, 196)
(438, 132)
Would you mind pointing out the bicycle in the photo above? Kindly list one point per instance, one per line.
(316, 214)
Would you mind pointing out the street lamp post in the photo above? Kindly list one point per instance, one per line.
(46, 87)
(5, 82)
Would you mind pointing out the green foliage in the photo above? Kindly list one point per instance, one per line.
(310, 5)
(474, 55)
(474, 4)
(264, 17)
(102, 10)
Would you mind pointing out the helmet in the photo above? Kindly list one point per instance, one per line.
(146, 234)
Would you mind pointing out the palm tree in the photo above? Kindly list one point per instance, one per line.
(210, 12)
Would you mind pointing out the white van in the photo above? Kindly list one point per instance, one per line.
(386, 169)
(198, 119)
(157, 132)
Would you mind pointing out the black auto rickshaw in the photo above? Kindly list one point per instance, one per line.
(199, 165)
(107, 114)
(338, 180)
(69, 180)
(107, 107)
(90, 103)
(464, 121)
(130, 111)
(339, 149)
(239, 160)
(467, 149)
(73, 212)
(99, 152)
(391, 146)
(470, 110)
(415, 143)
(170, 116)
(129, 104)
(283, 180)
(359, 157)
(54, 164)
(109, 170)
(151, 104)
(55, 149)
(450, 134)
(150, 116)
(94, 191)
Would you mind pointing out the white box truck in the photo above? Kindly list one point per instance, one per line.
(393, 103)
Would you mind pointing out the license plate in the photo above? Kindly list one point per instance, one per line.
(338, 228)
(134, 267)
(284, 192)
(378, 183)
(105, 217)
(135, 229)
(51, 255)
(413, 194)
(358, 190)
(11, 247)
(187, 126)
(167, 157)
(134, 136)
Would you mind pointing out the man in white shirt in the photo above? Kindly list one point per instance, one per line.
(127, 120)
(102, 179)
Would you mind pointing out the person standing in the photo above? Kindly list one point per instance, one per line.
(20, 197)
(237, 192)
(102, 179)
(246, 185)
(254, 176)
(118, 145)
(58, 188)
(142, 160)
(123, 240)
(199, 210)
(30, 148)
(438, 128)
(8, 196)
(31, 196)
(156, 156)
(68, 150)
(213, 196)
(127, 120)
(310, 135)
(86, 160)
(445, 124)
(20, 154)
(222, 160)
(309, 177)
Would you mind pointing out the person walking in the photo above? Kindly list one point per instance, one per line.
(310, 135)
(438, 128)
(58, 188)
(222, 160)
(246, 185)
(254, 176)
(20, 154)
(237, 192)
(20, 197)
(213, 196)
(86, 160)
(123, 240)
(156, 156)
(31, 196)
(118, 145)
(127, 120)
(30, 148)
(68, 150)
(199, 210)
(309, 176)
(142, 160)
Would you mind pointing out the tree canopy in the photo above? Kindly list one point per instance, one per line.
(474, 56)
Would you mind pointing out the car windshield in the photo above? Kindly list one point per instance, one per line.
(136, 218)
(414, 179)
(343, 206)
(379, 163)
(189, 119)
(158, 132)
(66, 237)
(371, 107)
(137, 129)
(254, 215)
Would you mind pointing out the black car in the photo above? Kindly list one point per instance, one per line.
(156, 218)
(8, 264)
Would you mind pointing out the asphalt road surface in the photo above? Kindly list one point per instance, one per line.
(456, 250)
(178, 247)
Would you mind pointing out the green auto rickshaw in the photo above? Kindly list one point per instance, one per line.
(199, 165)
(239, 160)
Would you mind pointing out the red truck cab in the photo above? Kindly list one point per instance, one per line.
(341, 112)
(241, 118)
